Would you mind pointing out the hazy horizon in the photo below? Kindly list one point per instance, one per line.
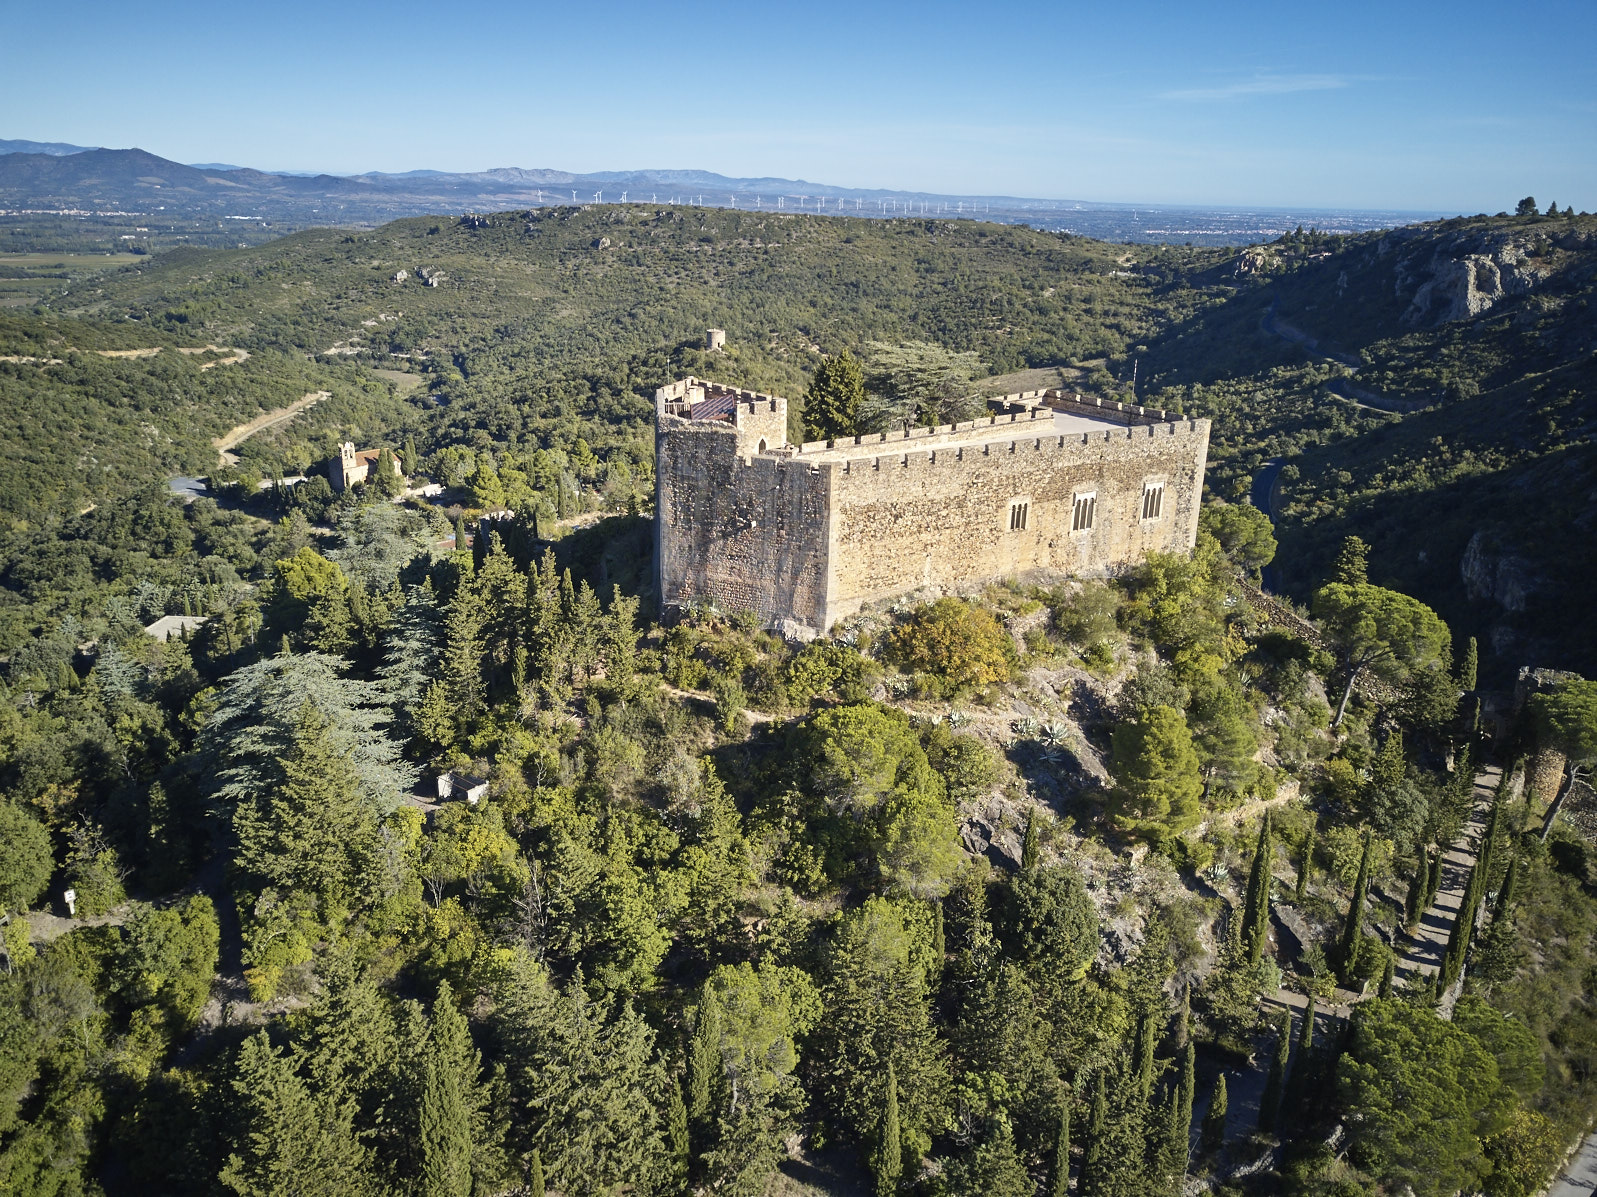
(1253, 106)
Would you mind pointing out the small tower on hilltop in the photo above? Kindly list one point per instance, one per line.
(714, 340)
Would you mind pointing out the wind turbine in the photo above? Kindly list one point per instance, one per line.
(623, 197)
(597, 196)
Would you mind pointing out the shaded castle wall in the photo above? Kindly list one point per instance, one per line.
(744, 534)
(940, 516)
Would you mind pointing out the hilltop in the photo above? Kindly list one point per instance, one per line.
(1427, 388)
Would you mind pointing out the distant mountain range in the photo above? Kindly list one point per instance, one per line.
(60, 179)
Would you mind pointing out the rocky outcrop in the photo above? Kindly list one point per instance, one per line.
(1494, 574)
(1460, 276)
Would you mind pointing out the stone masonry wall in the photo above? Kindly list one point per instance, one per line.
(940, 516)
(742, 533)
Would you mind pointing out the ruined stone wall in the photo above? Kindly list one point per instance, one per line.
(941, 515)
(742, 533)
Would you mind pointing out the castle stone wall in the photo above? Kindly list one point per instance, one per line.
(942, 516)
(809, 534)
(742, 533)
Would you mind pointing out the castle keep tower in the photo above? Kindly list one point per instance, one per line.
(805, 535)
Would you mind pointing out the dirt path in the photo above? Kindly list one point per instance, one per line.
(1423, 950)
(235, 437)
(239, 355)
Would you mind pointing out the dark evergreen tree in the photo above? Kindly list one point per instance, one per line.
(677, 1139)
(1213, 1133)
(1352, 565)
(1469, 667)
(1353, 925)
(1412, 903)
(1256, 902)
(889, 1161)
(1305, 864)
(1388, 973)
(1300, 1081)
(704, 1060)
(832, 402)
(1275, 1080)
(535, 1185)
(1059, 1184)
(293, 1141)
(1029, 849)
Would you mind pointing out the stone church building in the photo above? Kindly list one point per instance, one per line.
(805, 535)
(351, 467)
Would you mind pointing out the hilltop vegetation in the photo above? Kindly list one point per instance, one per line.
(969, 898)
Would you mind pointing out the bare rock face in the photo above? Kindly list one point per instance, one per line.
(1462, 276)
(1496, 575)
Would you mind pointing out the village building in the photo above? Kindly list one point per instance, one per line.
(464, 787)
(350, 466)
(805, 535)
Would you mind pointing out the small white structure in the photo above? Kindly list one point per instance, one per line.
(714, 339)
(459, 785)
(173, 627)
(71, 899)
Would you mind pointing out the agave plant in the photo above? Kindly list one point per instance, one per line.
(1055, 734)
(958, 718)
(1025, 728)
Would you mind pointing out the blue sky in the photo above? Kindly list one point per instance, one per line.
(1463, 106)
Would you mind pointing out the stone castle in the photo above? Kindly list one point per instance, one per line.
(805, 535)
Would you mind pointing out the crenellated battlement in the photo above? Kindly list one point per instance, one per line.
(805, 534)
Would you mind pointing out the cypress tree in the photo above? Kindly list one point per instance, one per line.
(889, 1152)
(1416, 890)
(1275, 1082)
(1467, 671)
(1433, 882)
(1458, 939)
(1306, 864)
(1387, 974)
(1256, 907)
(1353, 928)
(1061, 1163)
(1297, 1087)
(1505, 896)
(676, 1133)
(704, 1059)
(445, 1137)
(1028, 850)
(460, 533)
(1186, 1096)
(1213, 1134)
(535, 1185)
(832, 402)
(939, 939)
(1146, 1034)
(1097, 1123)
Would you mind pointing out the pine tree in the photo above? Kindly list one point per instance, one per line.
(1275, 1081)
(1060, 1184)
(1305, 864)
(1028, 849)
(889, 1163)
(462, 661)
(832, 402)
(1213, 1134)
(1256, 906)
(1470, 666)
(1353, 927)
(535, 1185)
(1352, 565)
(329, 628)
(314, 830)
(452, 1116)
(294, 1142)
